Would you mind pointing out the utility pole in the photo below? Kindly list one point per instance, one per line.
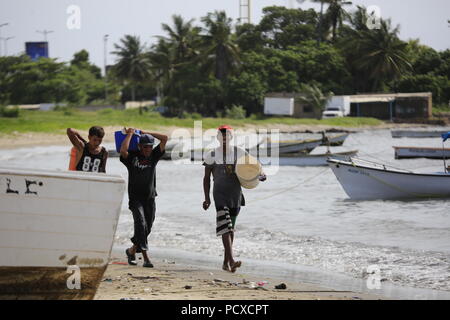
(45, 33)
(245, 11)
(105, 52)
(1, 26)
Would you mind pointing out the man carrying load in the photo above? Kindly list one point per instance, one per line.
(141, 167)
(227, 192)
(89, 156)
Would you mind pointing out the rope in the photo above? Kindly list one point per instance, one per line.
(290, 188)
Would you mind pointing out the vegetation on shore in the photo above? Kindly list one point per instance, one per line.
(209, 66)
(57, 121)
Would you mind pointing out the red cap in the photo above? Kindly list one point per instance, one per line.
(225, 126)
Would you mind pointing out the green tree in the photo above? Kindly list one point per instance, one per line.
(439, 86)
(249, 38)
(133, 64)
(81, 60)
(281, 27)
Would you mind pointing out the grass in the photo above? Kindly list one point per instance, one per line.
(57, 121)
(442, 108)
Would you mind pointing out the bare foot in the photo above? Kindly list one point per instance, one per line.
(235, 265)
(226, 267)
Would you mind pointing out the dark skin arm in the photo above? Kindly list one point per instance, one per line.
(126, 143)
(207, 187)
(161, 137)
(76, 139)
(105, 158)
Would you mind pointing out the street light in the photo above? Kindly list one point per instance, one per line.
(45, 33)
(6, 43)
(105, 49)
(1, 26)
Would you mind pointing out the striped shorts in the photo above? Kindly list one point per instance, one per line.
(226, 219)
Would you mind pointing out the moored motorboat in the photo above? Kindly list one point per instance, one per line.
(56, 232)
(365, 180)
(305, 145)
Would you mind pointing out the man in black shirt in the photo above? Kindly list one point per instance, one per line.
(141, 167)
(90, 156)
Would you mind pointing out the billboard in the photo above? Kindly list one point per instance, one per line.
(36, 50)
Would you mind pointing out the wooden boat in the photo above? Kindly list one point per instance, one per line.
(336, 141)
(306, 160)
(421, 152)
(417, 133)
(365, 180)
(307, 145)
(56, 232)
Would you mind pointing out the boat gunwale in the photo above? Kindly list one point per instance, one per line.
(67, 175)
(297, 155)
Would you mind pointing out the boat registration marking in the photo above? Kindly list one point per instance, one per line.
(358, 171)
(11, 186)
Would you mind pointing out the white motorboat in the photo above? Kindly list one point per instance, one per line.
(365, 180)
(421, 152)
(56, 232)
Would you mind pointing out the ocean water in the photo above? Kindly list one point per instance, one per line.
(299, 217)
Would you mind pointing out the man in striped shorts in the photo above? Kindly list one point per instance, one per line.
(227, 192)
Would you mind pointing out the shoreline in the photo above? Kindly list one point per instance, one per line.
(175, 279)
(199, 271)
(17, 140)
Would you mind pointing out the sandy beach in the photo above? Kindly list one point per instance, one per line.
(170, 280)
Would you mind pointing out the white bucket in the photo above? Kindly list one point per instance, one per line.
(248, 170)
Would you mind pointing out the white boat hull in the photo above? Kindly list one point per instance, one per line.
(52, 222)
(368, 183)
(419, 152)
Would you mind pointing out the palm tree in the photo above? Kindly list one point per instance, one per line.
(174, 54)
(221, 52)
(133, 64)
(382, 55)
(183, 37)
(163, 65)
(315, 98)
(336, 14)
(320, 25)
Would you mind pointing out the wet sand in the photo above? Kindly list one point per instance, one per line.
(169, 280)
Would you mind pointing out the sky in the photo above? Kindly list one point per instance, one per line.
(82, 24)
